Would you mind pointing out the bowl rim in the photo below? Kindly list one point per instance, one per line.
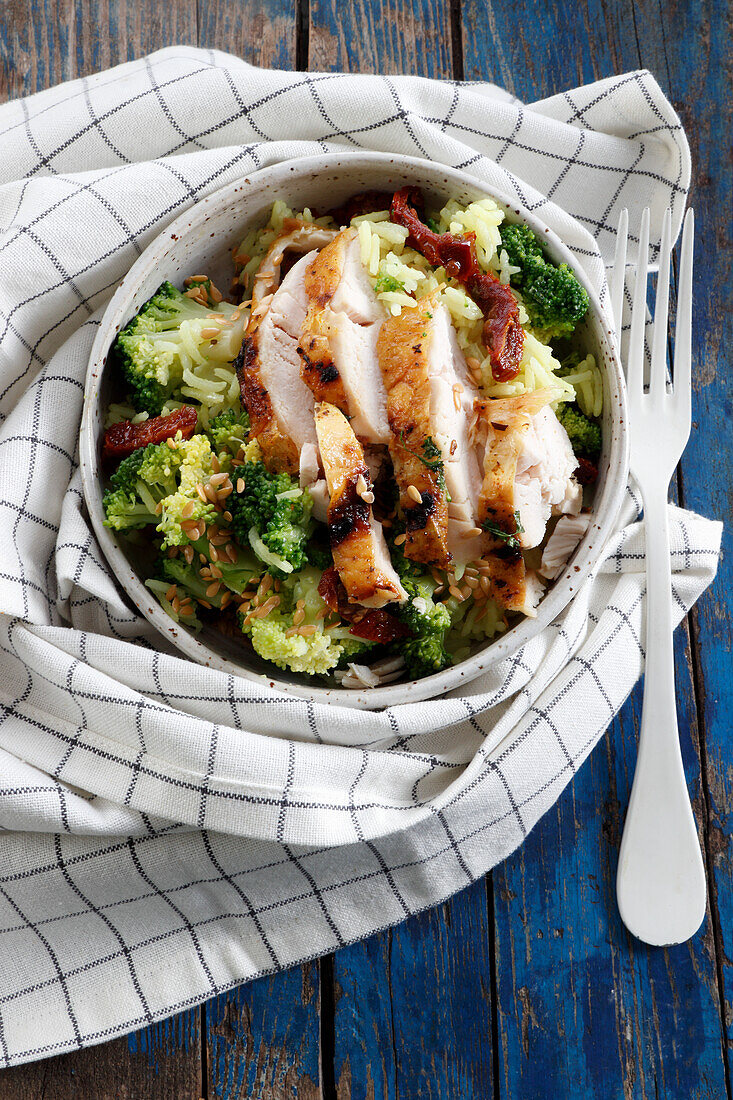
(564, 587)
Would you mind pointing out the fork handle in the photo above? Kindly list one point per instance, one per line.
(660, 882)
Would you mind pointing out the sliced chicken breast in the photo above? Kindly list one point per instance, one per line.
(339, 338)
(279, 404)
(296, 237)
(430, 407)
(360, 552)
(544, 482)
(503, 426)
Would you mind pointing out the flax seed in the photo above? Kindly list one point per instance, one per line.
(265, 584)
(224, 493)
(227, 516)
(290, 631)
(188, 553)
(472, 532)
(306, 631)
(187, 510)
(210, 494)
(212, 553)
(240, 484)
(466, 592)
(472, 363)
(400, 540)
(216, 295)
(456, 592)
(215, 571)
(201, 493)
(172, 591)
(414, 494)
(299, 616)
(471, 582)
(368, 498)
(485, 585)
(206, 604)
(186, 611)
(471, 571)
(231, 552)
(215, 464)
(457, 391)
(218, 478)
(159, 507)
(226, 599)
(176, 604)
(213, 588)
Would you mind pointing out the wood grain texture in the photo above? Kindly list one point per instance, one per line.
(413, 1007)
(263, 32)
(162, 1062)
(371, 36)
(263, 1039)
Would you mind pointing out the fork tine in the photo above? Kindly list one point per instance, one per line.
(635, 357)
(658, 376)
(682, 380)
(618, 274)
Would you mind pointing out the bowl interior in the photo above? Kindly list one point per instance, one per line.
(201, 241)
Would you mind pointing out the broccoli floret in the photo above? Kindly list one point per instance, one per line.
(164, 487)
(424, 656)
(584, 434)
(228, 431)
(554, 299)
(125, 511)
(313, 653)
(428, 623)
(235, 576)
(272, 515)
(126, 475)
(153, 348)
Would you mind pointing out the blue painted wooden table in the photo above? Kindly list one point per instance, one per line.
(526, 985)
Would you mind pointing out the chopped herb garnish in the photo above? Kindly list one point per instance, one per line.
(387, 283)
(509, 537)
(430, 457)
(432, 223)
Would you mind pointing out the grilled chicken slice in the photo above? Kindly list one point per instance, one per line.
(339, 338)
(297, 236)
(279, 404)
(430, 407)
(527, 469)
(359, 548)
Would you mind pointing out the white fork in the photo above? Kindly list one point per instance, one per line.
(660, 883)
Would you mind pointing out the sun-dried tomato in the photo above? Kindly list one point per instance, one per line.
(374, 625)
(122, 439)
(587, 471)
(502, 332)
(379, 626)
(328, 588)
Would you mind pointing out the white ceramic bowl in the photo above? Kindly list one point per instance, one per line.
(202, 240)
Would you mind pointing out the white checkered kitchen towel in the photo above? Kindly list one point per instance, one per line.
(170, 831)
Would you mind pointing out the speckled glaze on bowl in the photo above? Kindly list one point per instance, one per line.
(202, 240)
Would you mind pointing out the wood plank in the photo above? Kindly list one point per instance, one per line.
(162, 1061)
(413, 1008)
(393, 36)
(582, 1007)
(263, 1039)
(43, 42)
(262, 32)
